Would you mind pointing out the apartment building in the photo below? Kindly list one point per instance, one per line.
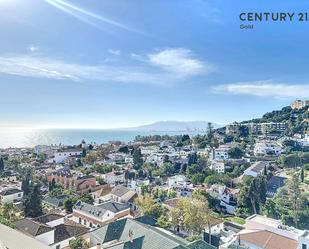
(299, 104)
(80, 183)
(265, 128)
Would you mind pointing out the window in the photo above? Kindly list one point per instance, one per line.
(90, 224)
(304, 246)
(85, 222)
(58, 247)
(80, 220)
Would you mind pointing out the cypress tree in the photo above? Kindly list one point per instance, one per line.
(33, 203)
(302, 175)
(1, 164)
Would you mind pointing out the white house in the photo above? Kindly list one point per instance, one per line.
(267, 149)
(256, 169)
(61, 155)
(217, 165)
(51, 229)
(220, 154)
(136, 185)
(304, 141)
(8, 176)
(45, 148)
(229, 200)
(112, 178)
(11, 195)
(93, 216)
(177, 181)
(262, 232)
(149, 150)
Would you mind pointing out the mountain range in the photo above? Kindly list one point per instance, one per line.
(175, 126)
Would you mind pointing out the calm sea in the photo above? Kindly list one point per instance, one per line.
(31, 137)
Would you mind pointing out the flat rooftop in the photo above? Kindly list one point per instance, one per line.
(265, 220)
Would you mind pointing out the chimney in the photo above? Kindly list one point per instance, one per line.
(98, 246)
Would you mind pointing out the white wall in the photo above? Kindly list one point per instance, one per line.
(63, 244)
(46, 238)
(59, 157)
(11, 198)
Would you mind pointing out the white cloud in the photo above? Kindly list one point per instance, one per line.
(267, 88)
(166, 68)
(32, 48)
(39, 67)
(137, 57)
(179, 62)
(114, 52)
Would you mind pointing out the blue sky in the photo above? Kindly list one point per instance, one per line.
(101, 63)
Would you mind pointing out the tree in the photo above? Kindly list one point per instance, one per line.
(9, 211)
(69, 204)
(124, 149)
(56, 190)
(191, 215)
(171, 194)
(87, 198)
(270, 210)
(25, 184)
(84, 153)
(202, 195)
(257, 193)
(7, 222)
(137, 159)
(302, 175)
(218, 179)
(33, 203)
(1, 164)
(78, 243)
(290, 202)
(185, 138)
(163, 221)
(52, 185)
(167, 168)
(209, 130)
(148, 206)
(252, 195)
(166, 159)
(235, 152)
(192, 159)
(243, 131)
(291, 161)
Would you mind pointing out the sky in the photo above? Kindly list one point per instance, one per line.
(119, 63)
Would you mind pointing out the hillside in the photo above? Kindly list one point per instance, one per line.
(298, 120)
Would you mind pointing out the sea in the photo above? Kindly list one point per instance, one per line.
(20, 138)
